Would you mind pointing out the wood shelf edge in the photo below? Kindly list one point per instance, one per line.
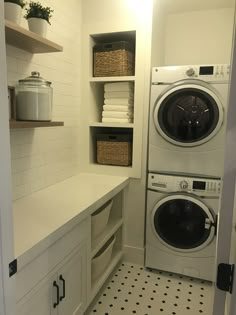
(18, 124)
(22, 38)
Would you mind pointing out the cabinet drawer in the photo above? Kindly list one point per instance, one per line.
(36, 270)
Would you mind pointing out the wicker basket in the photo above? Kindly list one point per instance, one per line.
(114, 149)
(113, 59)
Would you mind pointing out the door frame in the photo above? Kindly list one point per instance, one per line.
(228, 191)
(7, 285)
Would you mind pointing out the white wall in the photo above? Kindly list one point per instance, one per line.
(158, 33)
(198, 37)
(44, 156)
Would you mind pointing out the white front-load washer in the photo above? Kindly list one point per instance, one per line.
(181, 224)
(187, 119)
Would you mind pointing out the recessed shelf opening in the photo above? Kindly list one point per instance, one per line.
(98, 99)
(106, 38)
(120, 132)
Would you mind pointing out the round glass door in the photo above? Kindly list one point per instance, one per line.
(188, 115)
(183, 222)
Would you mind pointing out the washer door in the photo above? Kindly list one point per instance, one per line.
(188, 114)
(183, 223)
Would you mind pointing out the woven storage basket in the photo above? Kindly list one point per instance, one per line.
(114, 149)
(113, 59)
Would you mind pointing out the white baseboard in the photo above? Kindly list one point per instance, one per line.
(134, 255)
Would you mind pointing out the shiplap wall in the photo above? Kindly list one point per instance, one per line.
(44, 156)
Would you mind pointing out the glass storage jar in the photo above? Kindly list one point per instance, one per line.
(34, 99)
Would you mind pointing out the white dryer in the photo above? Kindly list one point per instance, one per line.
(181, 224)
(187, 119)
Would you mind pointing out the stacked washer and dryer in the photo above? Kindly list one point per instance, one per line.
(185, 162)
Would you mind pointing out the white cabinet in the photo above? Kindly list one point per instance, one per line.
(62, 292)
(39, 301)
(55, 282)
(72, 280)
(61, 274)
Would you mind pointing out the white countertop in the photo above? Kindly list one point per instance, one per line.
(56, 207)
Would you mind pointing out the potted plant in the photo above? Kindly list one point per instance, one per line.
(38, 17)
(13, 10)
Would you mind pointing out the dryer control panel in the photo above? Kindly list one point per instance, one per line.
(171, 183)
(208, 73)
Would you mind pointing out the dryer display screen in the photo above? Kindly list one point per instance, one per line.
(199, 185)
(206, 70)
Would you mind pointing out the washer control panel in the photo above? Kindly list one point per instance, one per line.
(195, 185)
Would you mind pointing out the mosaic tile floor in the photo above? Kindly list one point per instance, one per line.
(136, 290)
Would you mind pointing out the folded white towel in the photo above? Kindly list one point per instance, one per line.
(118, 86)
(119, 101)
(117, 120)
(111, 114)
(118, 108)
(119, 94)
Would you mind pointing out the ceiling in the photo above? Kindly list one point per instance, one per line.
(172, 6)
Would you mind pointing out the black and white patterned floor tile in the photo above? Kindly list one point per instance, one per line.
(140, 291)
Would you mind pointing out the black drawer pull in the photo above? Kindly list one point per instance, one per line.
(58, 300)
(64, 287)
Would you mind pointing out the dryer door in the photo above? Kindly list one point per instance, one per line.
(183, 223)
(188, 114)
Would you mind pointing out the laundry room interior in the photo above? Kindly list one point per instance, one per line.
(114, 179)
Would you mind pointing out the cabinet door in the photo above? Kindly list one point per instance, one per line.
(39, 301)
(74, 277)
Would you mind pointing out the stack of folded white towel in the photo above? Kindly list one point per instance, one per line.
(118, 102)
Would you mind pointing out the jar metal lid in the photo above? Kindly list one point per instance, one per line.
(35, 78)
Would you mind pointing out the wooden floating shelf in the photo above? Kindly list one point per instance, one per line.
(24, 39)
(15, 124)
(112, 79)
(112, 125)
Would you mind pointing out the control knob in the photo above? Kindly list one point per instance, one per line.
(183, 184)
(190, 72)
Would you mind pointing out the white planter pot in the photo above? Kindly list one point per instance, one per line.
(12, 12)
(38, 26)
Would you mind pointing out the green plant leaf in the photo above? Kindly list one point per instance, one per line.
(36, 10)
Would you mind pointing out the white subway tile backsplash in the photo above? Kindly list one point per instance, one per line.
(44, 156)
(26, 163)
(21, 191)
(37, 185)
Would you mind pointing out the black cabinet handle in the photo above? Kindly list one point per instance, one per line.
(58, 299)
(64, 287)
